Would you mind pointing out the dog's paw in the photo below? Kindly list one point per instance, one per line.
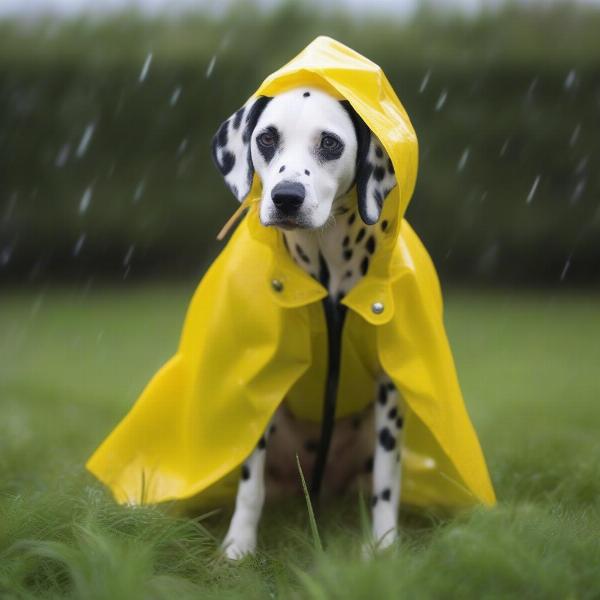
(384, 545)
(239, 545)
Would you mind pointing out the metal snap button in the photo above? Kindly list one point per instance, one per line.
(377, 307)
(277, 285)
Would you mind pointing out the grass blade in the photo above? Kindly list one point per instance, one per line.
(311, 515)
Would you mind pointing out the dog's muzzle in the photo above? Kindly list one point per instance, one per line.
(288, 197)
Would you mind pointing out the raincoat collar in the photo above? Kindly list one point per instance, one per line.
(292, 287)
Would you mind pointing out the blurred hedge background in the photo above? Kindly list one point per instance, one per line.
(105, 126)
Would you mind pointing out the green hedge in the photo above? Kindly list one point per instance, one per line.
(522, 105)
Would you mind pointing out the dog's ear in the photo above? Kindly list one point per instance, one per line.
(375, 177)
(231, 146)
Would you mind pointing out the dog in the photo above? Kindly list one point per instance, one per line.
(310, 151)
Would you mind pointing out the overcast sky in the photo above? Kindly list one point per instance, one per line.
(401, 8)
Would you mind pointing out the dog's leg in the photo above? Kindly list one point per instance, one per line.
(386, 465)
(241, 536)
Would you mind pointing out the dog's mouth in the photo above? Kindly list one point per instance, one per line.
(287, 223)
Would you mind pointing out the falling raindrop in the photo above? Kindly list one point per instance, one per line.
(8, 212)
(463, 159)
(35, 307)
(570, 79)
(63, 156)
(85, 200)
(128, 255)
(504, 147)
(441, 100)
(139, 191)
(567, 266)
(175, 96)
(531, 88)
(578, 191)
(533, 189)
(575, 135)
(211, 66)
(5, 256)
(79, 244)
(182, 147)
(85, 140)
(145, 67)
(425, 81)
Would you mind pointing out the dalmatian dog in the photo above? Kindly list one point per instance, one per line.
(309, 151)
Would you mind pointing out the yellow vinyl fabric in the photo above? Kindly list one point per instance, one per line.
(248, 344)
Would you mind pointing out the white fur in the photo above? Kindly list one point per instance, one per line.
(301, 121)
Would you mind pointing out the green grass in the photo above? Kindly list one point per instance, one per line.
(72, 362)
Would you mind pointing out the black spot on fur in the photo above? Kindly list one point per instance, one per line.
(262, 443)
(382, 395)
(390, 386)
(347, 254)
(369, 465)
(399, 422)
(378, 198)
(253, 115)
(222, 134)
(356, 422)
(268, 152)
(392, 413)
(306, 172)
(227, 162)
(306, 94)
(378, 151)
(273, 429)
(379, 173)
(245, 473)
(387, 440)
(361, 234)
(371, 245)
(346, 241)
(390, 167)
(386, 494)
(302, 254)
(323, 271)
(374, 500)
(384, 225)
(352, 219)
(311, 446)
(364, 265)
(282, 169)
(237, 119)
(348, 274)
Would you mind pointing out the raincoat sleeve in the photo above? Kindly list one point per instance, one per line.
(415, 353)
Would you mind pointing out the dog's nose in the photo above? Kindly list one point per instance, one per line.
(288, 196)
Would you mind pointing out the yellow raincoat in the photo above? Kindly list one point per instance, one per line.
(248, 343)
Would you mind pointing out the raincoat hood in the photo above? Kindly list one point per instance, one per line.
(255, 335)
(347, 75)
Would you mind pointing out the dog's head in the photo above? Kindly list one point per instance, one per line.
(308, 150)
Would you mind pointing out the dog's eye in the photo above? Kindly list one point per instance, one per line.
(328, 142)
(266, 139)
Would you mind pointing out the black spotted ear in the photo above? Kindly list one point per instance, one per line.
(231, 146)
(375, 177)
